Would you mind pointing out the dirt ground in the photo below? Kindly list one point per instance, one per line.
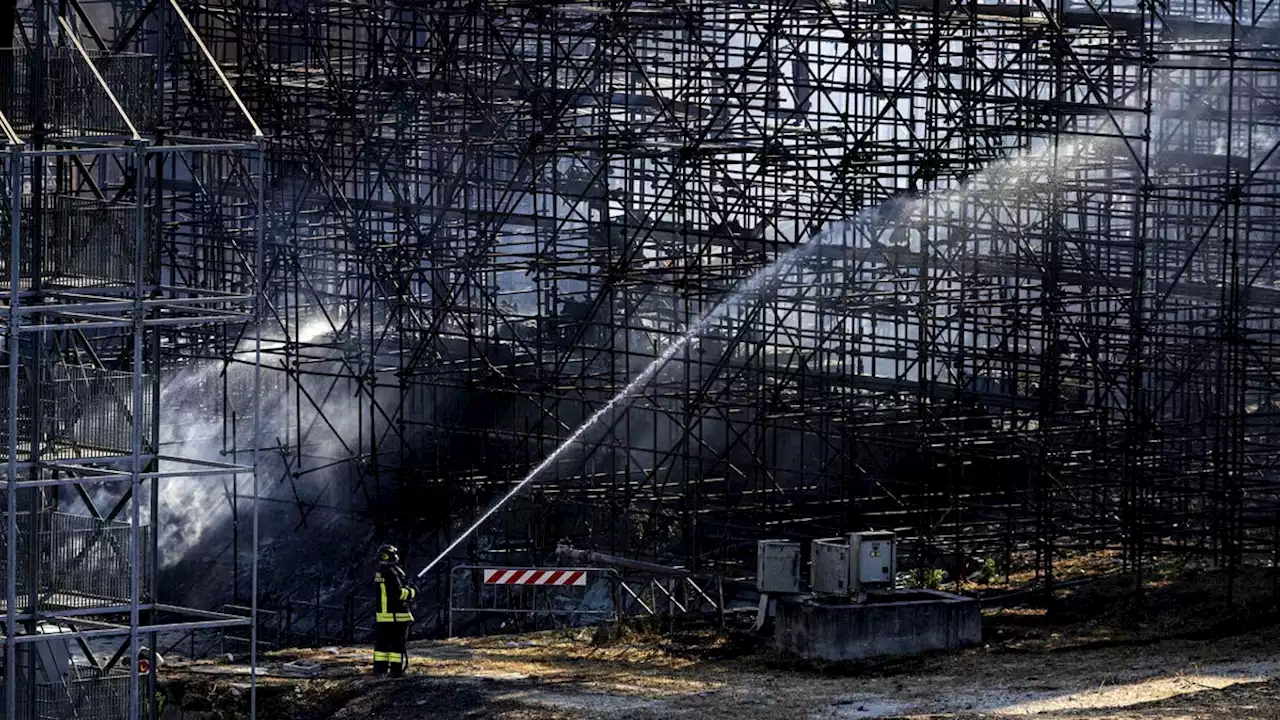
(558, 676)
(1212, 664)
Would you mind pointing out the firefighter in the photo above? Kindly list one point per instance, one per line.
(390, 646)
(146, 657)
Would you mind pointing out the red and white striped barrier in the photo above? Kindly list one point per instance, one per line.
(499, 576)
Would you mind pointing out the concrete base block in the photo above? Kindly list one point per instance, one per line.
(886, 624)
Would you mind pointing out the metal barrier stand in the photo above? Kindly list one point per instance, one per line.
(564, 596)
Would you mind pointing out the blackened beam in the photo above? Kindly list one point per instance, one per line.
(969, 265)
(842, 379)
(587, 556)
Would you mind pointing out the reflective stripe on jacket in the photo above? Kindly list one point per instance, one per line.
(394, 595)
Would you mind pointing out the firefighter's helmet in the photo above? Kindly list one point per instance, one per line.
(147, 658)
(389, 554)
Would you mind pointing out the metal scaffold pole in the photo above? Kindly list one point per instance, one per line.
(124, 288)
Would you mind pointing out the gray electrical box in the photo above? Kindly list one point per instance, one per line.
(829, 566)
(873, 561)
(778, 566)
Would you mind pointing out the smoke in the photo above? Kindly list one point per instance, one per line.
(193, 427)
(207, 415)
(315, 433)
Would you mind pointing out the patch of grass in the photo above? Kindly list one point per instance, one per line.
(1176, 601)
(924, 579)
(989, 572)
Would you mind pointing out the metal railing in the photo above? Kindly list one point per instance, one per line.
(671, 596)
(94, 698)
(82, 694)
(84, 242)
(72, 100)
(92, 410)
(83, 563)
(652, 589)
(238, 639)
(90, 240)
(518, 607)
(299, 623)
(85, 411)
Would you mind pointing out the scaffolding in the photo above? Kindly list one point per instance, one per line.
(1040, 315)
(1035, 311)
(132, 233)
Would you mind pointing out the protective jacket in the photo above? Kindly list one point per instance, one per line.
(394, 595)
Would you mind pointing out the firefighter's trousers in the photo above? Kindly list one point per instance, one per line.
(391, 648)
